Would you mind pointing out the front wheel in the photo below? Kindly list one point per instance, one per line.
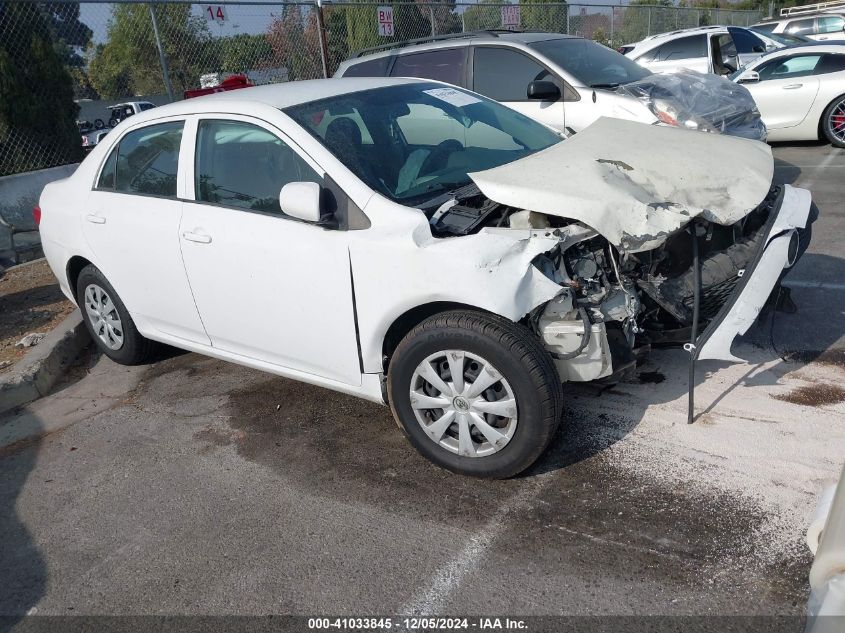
(475, 393)
(833, 122)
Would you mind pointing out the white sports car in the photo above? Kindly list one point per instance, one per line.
(417, 244)
(800, 92)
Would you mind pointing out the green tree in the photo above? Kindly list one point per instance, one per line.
(543, 15)
(487, 14)
(291, 48)
(410, 21)
(37, 111)
(126, 64)
(243, 52)
(647, 17)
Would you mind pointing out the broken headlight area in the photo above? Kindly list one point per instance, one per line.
(614, 304)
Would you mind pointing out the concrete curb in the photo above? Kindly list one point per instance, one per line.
(34, 375)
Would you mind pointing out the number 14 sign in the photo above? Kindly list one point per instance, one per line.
(214, 12)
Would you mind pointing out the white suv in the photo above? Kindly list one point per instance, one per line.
(710, 49)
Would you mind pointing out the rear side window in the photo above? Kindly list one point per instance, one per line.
(372, 68)
(689, 47)
(443, 65)
(145, 161)
(831, 24)
(801, 27)
(765, 28)
(504, 75)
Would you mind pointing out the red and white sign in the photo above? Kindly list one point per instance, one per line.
(385, 21)
(214, 12)
(510, 16)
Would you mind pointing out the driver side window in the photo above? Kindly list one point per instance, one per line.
(798, 66)
(243, 165)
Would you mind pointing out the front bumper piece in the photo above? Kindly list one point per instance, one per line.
(779, 251)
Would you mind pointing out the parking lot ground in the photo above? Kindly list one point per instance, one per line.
(196, 486)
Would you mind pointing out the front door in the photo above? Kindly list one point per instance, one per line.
(786, 90)
(504, 74)
(268, 287)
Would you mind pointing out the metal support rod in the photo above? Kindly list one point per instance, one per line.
(433, 27)
(691, 346)
(321, 33)
(165, 72)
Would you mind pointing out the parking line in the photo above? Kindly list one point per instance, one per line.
(432, 599)
(808, 184)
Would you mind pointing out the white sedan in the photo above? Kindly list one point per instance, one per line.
(420, 245)
(800, 92)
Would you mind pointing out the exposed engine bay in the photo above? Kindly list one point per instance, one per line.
(615, 302)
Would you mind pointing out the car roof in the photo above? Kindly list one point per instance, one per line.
(277, 96)
(655, 40)
(816, 48)
(455, 40)
(804, 16)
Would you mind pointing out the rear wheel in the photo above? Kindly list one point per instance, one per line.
(108, 321)
(475, 393)
(833, 122)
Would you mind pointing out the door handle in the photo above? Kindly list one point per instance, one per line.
(199, 238)
(95, 219)
(792, 86)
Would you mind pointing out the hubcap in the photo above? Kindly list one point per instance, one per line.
(105, 320)
(837, 121)
(463, 403)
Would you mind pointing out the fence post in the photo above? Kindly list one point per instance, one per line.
(612, 15)
(161, 57)
(568, 11)
(431, 13)
(649, 21)
(321, 34)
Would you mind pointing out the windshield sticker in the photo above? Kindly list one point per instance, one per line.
(452, 96)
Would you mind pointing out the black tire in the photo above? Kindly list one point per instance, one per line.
(113, 122)
(517, 355)
(98, 123)
(136, 349)
(827, 122)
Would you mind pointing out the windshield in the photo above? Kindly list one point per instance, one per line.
(590, 63)
(411, 142)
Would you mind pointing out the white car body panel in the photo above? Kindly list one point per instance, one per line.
(314, 304)
(792, 108)
(638, 192)
(746, 308)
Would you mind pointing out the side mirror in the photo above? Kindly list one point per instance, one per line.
(543, 91)
(749, 77)
(758, 49)
(301, 200)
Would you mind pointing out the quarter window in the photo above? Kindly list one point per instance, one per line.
(145, 161)
(372, 68)
(443, 65)
(830, 64)
(504, 75)
(746, 41)
(242, 165)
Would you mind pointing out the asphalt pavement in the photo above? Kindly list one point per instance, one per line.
(193, 486)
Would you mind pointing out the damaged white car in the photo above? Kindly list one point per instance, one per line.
(416, 244)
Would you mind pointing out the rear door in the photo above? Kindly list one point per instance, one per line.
(830, 28)
(503, 74)
(688, 52)
(787, 89)
(442, 64)
(132, 225)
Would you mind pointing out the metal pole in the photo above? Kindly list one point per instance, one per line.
(612, 15)
(649, 21)
(321, 34)
(161, 57)
(431, 13)
(568, 11)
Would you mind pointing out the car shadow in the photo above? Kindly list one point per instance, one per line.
(596, 416)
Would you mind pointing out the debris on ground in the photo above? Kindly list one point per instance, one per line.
(30, 301)
(30, 340)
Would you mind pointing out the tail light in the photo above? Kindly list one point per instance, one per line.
(36, 215)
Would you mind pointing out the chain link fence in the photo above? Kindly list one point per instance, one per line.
(65, 66)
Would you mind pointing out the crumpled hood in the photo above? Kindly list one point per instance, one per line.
(636, 184)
